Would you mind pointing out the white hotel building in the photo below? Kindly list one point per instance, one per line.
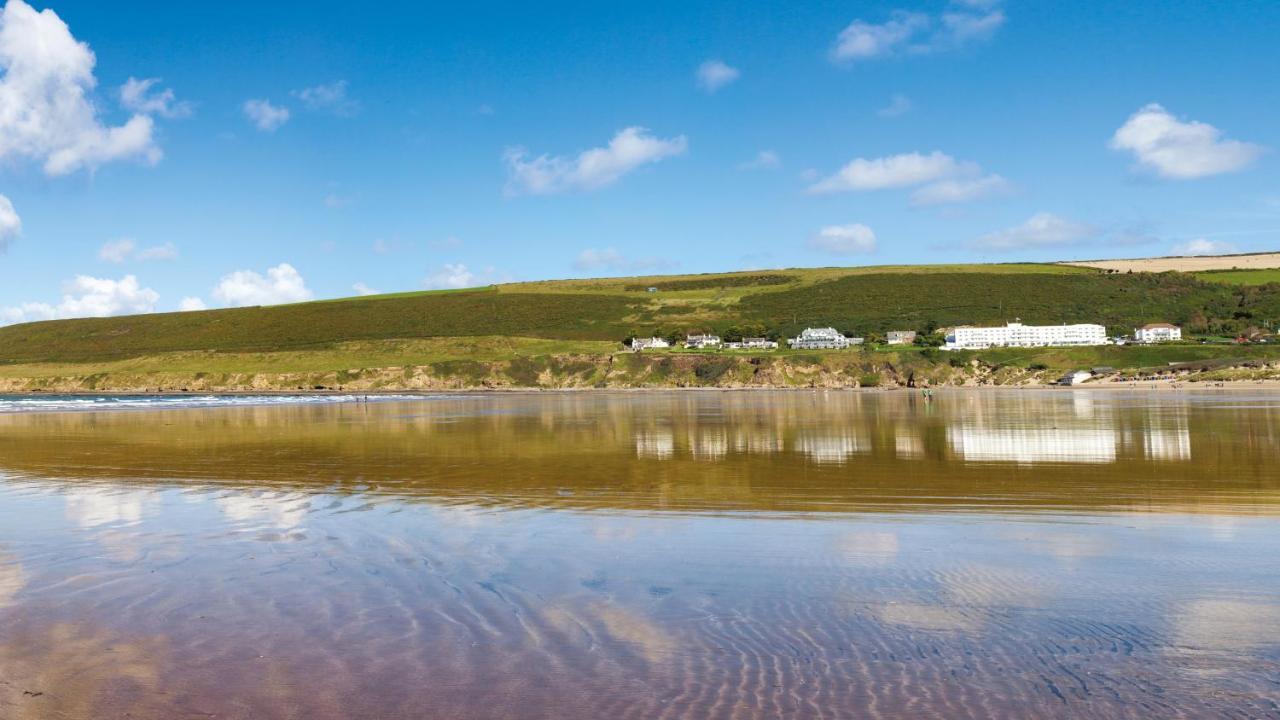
(1015, 334)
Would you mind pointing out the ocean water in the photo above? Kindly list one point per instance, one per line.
(990, 554)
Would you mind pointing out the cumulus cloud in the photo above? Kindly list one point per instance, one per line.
(167, 251)
(265, 116)
(136, 95)
(898, 105)
(852, 239)
(1040, 230)
(916, 33)
(1181, 150)
(593, 259)
(715, 74)
(1204, 246)
(282, 284)
(86, 296)
(961, 190)
(939, 178)
(362, 289)
(116, 251)
(592, 169)
(10, 223)
(331, 98)
(764, 160)
(191, 304)
(124, 249)
(45, 110)
(896, 171)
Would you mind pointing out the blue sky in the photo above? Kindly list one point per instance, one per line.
(156, 155)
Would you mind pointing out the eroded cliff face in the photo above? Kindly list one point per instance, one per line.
(555, 372)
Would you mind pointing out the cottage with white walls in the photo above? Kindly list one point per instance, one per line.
(638, 344)
(822, 339)
(1157, 333)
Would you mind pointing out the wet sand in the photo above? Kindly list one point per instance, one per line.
(681, 555)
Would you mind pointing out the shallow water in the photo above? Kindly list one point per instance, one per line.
(663, 555)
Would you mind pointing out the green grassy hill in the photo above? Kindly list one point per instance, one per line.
(857, 300)
(459, 330)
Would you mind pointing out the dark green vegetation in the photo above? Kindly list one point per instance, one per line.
(864, 301)
(715, 281)
(877, 303)
(318, 325)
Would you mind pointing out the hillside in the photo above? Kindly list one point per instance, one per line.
(538, 322)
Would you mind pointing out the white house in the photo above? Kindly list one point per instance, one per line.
(822, 339)
(638, 344)
(1075, 377)
(753, 344)
(1157, 333)
(900, 337)
(698, 342)
(1015, 334)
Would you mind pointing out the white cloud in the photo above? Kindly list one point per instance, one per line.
(452, 276)
(362, 289)
(1181, 150)
(715, 74)
(136, 96)
(116, 251)
(10, 223)
(853, 239)
(167, 251)
(124, 249)
(45, 110)
(86, 296)
(764, 160)
(898, 106)
(265, 116)
(610, 259)
(915, 33)
(591, 169)
(938, 177)
(961, 190)
(191, 304)
(282, 284)
(1040, 230)
(1204, 246)
(895, 171)
(331, 97)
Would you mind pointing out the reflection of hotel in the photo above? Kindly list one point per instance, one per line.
(659, 445)
(829, 448)
(1033, 445)
(1088, 434)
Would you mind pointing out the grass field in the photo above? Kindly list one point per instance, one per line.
(594, 316)
(1241, 277)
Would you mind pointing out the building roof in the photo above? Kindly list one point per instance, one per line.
(1157, 326)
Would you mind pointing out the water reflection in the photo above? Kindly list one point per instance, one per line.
(708, 451)
(699, 555)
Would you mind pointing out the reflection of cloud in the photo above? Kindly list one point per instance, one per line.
(91, 507)
(658, 445)
(928, 617)
(276, 510)
(12, 579)
(869, 548)
(605, 621)
(1228, 625)
(83, 673)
